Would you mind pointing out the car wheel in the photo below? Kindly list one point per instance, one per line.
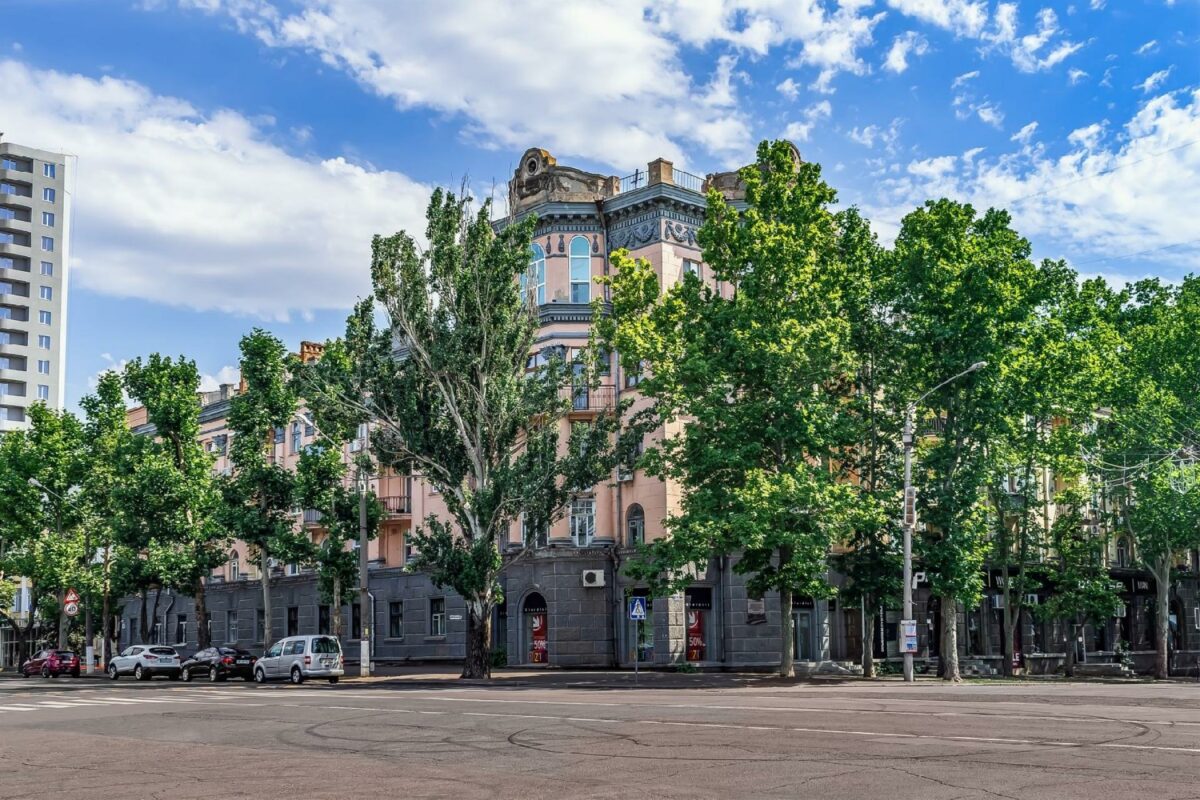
(186, 675)
(333, 679)
(112, 671)
(140, 674)
(297, 676)
(213, 675)
(260, 676)
(45, 672)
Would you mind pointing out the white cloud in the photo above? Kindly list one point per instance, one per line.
(962, 79)
(1075, 76)
(990, 113)
(1149, 47)
(1025, 135)
(934, 167)
(202, 209)
(799, 131)
(1096, 5)
(789, 89)
(1025, 50)
(908, 42)
(961, 17)
(1100, 197)
(871, 135)
(1155, 80)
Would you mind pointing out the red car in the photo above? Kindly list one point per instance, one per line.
(52, 663)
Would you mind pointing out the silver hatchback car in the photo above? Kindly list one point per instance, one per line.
(299, 658)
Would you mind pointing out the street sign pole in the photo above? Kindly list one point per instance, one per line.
(637, 613)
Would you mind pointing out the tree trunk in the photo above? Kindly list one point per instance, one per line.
(949, 654)
(203, 635)
(62, 620)
(1006, 649)
(478, 661)
(1069, 665)
(142, 616)
(787, 664)
(266, 590)
(868, 640)
(335, 612)
(105, 610)
(1162, 629)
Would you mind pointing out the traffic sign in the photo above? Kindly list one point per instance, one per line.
(72, 596)
(637, 608)
(71, 609)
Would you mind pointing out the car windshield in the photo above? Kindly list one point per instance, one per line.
(325, 644)
(162, 651)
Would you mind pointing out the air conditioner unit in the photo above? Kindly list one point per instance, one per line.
(1120, 612)
(1032, 600)
(593, 578)
(997, 601)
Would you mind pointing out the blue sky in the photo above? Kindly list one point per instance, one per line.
(237, 155)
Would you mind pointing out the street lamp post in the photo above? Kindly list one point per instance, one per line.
(88, 648)
(910, 507)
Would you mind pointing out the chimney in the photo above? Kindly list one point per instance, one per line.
(660, 171)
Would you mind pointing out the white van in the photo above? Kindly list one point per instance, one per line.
(299, 658)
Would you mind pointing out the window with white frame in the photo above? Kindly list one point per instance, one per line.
(533, 282)
(44, 317)
(48, 268)
(44, 342)
(296, 436)
(49, 170)
(48, 219)
(580, 270)
(691, 267)
(43, 367)
(43, 392)
(635, 526)
(48, 195)
(583, 521)
(437, 616)
(234, 566)
(46, 292)
(48, 244)
(533, 535)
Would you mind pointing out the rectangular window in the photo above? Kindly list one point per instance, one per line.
(583, 521)
(43, 392)
(296, 437)
(43, 367)
(323, 620)
(181, 629)
(50, 170)
(356, 621)
(231, 626)
(293, 620)
(691, 267)
(260, 625)
(46, 292)
(44, 342)
(48, 219)
(48, 195)
(279, 435)
(48, 268)
(48, 244)
(44, 317)
(395, 620)
(437, 616)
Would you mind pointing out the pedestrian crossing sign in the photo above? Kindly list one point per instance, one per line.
(637, 608)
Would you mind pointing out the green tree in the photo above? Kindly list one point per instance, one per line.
(40, 522)
(108, 451)
(445, 386)
(173, 490)
(260, 495)
(966, 290)
(748, 387)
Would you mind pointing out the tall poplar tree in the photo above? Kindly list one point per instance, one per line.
(755, 381)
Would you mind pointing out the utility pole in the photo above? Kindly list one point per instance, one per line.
(364, 599)
(910, 515)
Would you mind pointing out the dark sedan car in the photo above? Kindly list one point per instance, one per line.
(52, 663)
(219, 663)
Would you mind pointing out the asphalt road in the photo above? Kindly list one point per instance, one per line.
(90, 738)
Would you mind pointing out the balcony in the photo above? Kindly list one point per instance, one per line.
(312, 517)
(585, 399)
(396, 505)
(11, 249)
(14, 224)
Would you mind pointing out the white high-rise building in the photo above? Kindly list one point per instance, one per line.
(36, 188)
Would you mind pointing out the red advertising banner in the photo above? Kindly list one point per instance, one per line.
(695, 634)
(537, 647)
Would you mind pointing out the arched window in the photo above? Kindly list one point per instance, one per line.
(234, 570)
(533, 282)
(581, 270)
(635, 525)
(1122, 552)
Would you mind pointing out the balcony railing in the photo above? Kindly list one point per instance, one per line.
(397, 504)
(686, 180)
(312, 516)
(635, 181)
(586, 398)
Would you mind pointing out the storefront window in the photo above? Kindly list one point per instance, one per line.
(537, 628)
(698, 602)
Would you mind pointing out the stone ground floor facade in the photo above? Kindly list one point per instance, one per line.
(568, 607)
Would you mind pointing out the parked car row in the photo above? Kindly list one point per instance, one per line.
(296, 658)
